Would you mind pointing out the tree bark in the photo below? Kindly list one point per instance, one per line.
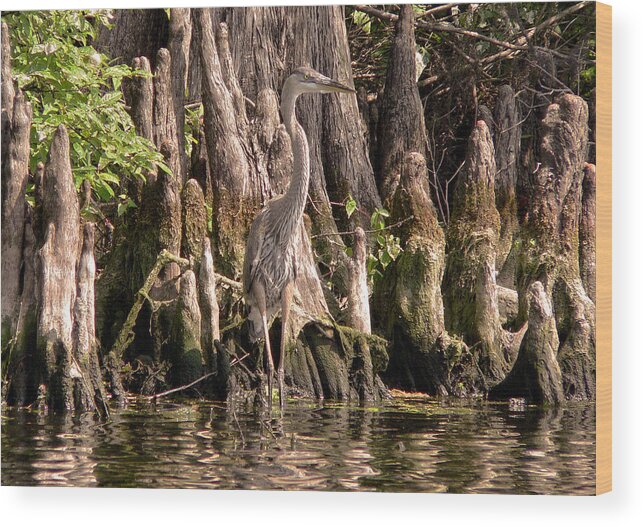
(180, 35)
(68, 379)
(184, 345)
(407, 301)
(236, 187)
(135, 33)
(209, 307)
(536, 374)
(470, 293)
(16, 128)
(507, 149)
(200, 167)
(359, 312)
(194, 221)
(23, 377)
(587, 234)
(142, 99)
(166, 127)
(155, 224)
(139, 92)
(550, 240)
(8, 88)
(84, 331)
(401, 125)
(56, 271)
(359, 318)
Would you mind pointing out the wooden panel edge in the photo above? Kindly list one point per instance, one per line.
(603, 248)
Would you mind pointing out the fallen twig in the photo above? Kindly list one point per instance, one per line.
(180, 388)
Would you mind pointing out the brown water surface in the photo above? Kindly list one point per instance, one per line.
(406, 445)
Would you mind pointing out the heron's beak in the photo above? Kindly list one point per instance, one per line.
(334, 86)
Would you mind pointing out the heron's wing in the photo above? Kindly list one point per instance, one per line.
(254, 247)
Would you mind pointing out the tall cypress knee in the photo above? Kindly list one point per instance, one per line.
(551, 230)
(401, 125)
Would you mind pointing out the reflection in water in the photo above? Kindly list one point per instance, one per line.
(401, 445)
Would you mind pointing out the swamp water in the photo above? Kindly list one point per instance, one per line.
(405, 444)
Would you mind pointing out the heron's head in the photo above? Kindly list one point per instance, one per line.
(307, 80)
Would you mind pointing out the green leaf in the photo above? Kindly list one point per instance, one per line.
(371, 263)
(109, 177)
(374, 219)
(383, 212)
(125, 206)
(164, 168)
(104, 191)
(351, 206)
(395, 250)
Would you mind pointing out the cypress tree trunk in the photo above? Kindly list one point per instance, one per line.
(407, 301)
(470, 296)
(65, 335)
(8, 88)
(184, 344)
(536, 374)
(587, 233)
(16, 127)
(135, 33)
(401, 125)
(84, 332)
(23, 366)
(180, 35)
(209, 307)
(550, 240)
(194, 221)
(359, 317)
(155, 224)
(166, 127)
(236, 185)
(507, 150)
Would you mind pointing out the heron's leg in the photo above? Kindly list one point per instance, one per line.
(259, 295)
(286, 300)
(271, 367)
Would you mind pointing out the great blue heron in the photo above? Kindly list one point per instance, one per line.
(272, 249)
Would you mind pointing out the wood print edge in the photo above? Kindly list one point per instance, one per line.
(604, 248)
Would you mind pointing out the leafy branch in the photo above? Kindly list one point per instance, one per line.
(67, 81)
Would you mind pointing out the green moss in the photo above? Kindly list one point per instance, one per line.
(194, 220)
(232, 217)
(330, 361)
(378, 346)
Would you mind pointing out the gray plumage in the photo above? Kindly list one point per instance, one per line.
(273, 249)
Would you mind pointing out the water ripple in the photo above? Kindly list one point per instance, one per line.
(402, 445)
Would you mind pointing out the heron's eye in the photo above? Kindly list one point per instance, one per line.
(306, 76)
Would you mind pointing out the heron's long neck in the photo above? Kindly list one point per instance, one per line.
(295, 197)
